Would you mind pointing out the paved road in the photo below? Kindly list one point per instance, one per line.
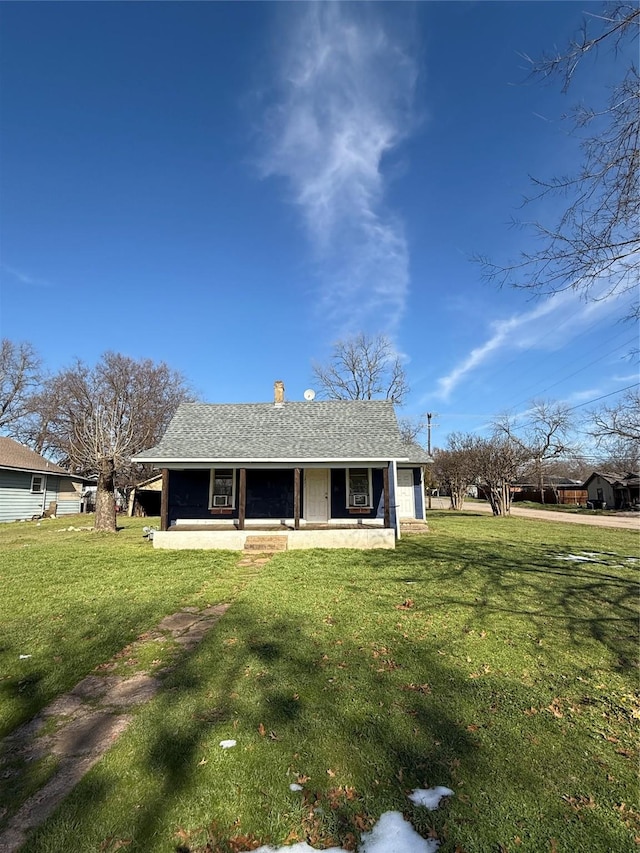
(629, 521)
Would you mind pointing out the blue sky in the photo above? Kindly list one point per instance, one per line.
(231, 187)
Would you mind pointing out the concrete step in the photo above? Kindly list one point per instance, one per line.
(266, 544)
(414, 527)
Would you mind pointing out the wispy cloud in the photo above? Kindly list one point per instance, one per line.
(24, 278)
(510, 332)
(344, 101)
(549, 326)
(581, 396)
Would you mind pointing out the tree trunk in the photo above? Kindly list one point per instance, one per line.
(106, 498)
(457, 499)
(500, 499)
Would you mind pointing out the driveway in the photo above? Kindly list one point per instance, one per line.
(628, 521)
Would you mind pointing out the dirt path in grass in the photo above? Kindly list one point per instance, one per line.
(630, 521)
(80, 726)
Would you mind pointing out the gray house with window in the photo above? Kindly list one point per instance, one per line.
(31, 485)
(293, 466)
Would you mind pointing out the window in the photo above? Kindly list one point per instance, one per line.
(222, 490)
(359, 487)
(37, 483)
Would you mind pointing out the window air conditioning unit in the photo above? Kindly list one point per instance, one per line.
(221, 500)
(359, 500)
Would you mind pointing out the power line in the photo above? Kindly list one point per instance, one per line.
(604, 396)
(586, 403)
(575, 373)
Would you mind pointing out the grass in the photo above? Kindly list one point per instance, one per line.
(474, 657)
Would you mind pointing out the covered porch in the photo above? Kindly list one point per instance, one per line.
(286, 496)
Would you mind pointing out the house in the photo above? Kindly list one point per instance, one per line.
(318, 473)
(31, 486)
(144, 498)
(613, 489)
(557, 490)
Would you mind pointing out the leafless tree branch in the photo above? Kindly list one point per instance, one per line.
(596, 242)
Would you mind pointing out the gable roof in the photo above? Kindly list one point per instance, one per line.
(614, 478)
(16, 456)
(335, 430)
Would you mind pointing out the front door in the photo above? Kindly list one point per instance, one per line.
(406, 501)
(316, 495)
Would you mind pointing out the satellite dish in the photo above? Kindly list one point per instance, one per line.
(309, 394)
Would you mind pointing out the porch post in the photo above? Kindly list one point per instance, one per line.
(164, 500)
(387, 497)
(242, 499)
(296, 498)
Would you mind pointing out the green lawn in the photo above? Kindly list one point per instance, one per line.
(474, 657)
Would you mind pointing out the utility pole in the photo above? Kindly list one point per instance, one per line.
(429, 452)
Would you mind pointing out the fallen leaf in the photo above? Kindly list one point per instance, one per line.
(350, 841)
(331, 773)
(261, 730)
(362, 823)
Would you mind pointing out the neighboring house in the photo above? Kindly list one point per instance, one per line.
(557, 490)
(298, 466)
(144, 499)
(613, 489)
(30, 485)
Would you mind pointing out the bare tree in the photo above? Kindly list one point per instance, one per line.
(594, 248)
(20, 373)
(410, 429)
(499, 462)
(616, 428)
(97, 418)
(543, 437)
(363, 368)
(455, 467)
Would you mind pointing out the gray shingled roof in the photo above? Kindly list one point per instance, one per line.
(321, 430)
(16, 455)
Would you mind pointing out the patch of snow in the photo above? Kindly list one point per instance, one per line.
(227, 744)
(430, 797)
(393, 834)
(576, 558)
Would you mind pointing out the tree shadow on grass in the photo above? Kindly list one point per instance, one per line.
(586, 601)
(325, 687)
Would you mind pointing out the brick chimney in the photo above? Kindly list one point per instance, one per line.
(278, 392)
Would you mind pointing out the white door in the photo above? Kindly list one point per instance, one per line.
(316, 494)
(406, 502)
